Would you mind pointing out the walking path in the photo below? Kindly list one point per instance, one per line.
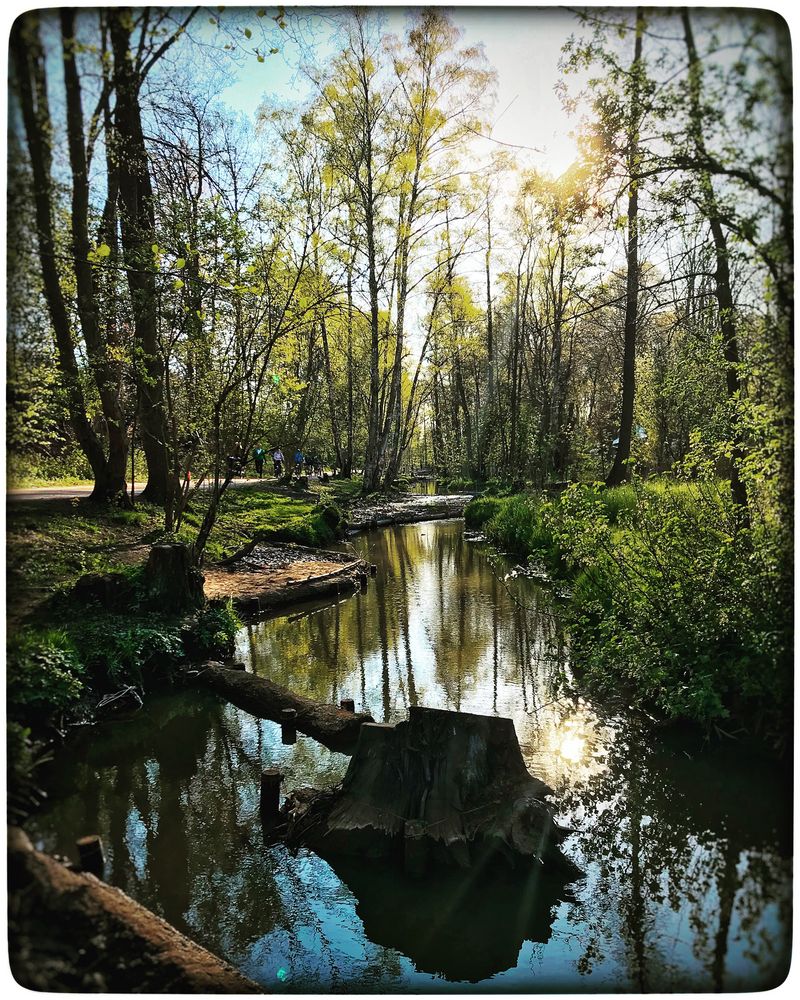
(77, 492)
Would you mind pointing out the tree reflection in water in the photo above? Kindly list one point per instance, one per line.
(686, 856)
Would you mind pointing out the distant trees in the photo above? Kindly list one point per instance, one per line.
(351, 277)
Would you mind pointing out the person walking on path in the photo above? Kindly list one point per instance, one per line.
(277, 462)
(258, 460)
(299, 459)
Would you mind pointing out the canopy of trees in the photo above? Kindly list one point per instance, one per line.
(348, 276)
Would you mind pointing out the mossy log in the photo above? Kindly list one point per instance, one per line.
(174, 583)
(332, 726)
(443, 787)
(70, 932)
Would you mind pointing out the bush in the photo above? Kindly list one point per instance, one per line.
(480, 510)
(683, 607)
(618, 501)
(497, 488)
(212, 635)
(23, 757)
(118, 649)
(44, 674)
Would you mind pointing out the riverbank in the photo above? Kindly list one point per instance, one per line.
(680, 601)
(174, 794)
(84, 640)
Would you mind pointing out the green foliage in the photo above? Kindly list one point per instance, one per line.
(519, 526)
(617, 501)
(498, 488)
(480, 510)
(44, 673)
(118, 649)
(213, 632)
(516, 524)
(683, 608)
(251, 513)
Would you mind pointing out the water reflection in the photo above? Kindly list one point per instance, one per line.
(686, 855)
(464, 926)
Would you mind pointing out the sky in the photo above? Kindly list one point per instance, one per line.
(522, 44)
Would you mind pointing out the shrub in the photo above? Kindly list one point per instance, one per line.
(213, 633)
(44, 674)
(23, 757)
(118, 649)
(480, 510)
(617, 501)
(683, 607)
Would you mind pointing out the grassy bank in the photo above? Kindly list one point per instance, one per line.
(679, 604)
(63, 655)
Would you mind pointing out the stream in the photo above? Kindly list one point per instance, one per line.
(686, 851)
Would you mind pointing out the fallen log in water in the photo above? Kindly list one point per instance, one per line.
(70, 932)
(409, 510)
(334, 727)
(443, 787)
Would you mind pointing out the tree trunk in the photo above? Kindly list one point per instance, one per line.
(724, 295)
(453, 783)
(30, 74)
(620, 470)
(137, 219)
(334, 727)
(174, 583)
(109, 942)
(106, 372)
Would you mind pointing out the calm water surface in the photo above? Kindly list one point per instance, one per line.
(686, 853)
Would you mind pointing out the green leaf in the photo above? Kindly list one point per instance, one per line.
(248, 33)
(180, 263)
(177, 284)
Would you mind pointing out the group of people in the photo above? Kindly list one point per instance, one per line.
(311, 464)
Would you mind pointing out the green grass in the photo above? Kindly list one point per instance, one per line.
(50, 544)
(58, 650)
(481, 510)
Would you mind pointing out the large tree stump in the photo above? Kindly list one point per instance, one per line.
(453, 783)
(174, 583)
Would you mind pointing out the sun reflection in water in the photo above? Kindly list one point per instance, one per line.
(572, 747)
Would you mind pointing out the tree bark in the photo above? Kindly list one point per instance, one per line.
(112, 943)
(329, 725)
(30, 74)
(620, 470)
(137, 217)
(174, 583)
(106, 372)
(453, 782)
